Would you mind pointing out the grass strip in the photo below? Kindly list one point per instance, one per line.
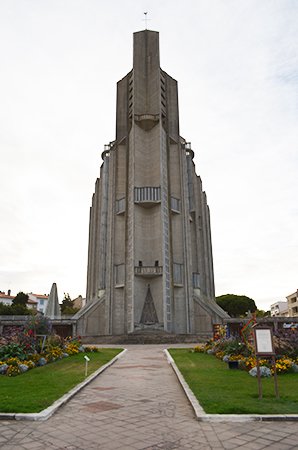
(221, 390)
(38, 388)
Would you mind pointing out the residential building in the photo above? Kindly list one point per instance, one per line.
(6, 299)
(41, 301)
(35, 301)
(279, 309)
(32, 304)
(293, 304)
(79, 302)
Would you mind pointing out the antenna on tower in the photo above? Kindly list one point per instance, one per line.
(146, 19)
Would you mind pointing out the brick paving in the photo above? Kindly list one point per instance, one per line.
(138, 404)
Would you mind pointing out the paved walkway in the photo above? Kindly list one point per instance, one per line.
(138, 404)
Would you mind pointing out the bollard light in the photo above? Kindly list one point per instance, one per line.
(86, 365)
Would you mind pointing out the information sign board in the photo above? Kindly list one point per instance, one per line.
(264, 341)
(265, 349)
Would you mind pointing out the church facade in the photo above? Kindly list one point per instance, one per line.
(150, 261)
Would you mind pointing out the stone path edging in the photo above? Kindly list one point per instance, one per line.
(48, 412)
(202, 416)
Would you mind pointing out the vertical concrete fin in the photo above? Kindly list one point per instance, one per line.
(146, 70)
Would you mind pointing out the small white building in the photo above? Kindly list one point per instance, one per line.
(279, 309)
(41, 301)
(32, 304)
(35, 301)
(6, 299)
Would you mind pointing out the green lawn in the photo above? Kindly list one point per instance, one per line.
(38, 388)
(221, 390)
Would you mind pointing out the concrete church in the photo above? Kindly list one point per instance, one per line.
(150, 257)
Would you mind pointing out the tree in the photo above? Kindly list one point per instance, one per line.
(236, 305)
(20, 299)
(5, 310)
(15, 310)
(67, 306)
(262, 313)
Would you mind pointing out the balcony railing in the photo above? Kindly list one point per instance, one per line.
(147, 194)
(148, 271)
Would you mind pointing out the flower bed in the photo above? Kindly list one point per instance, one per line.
(12, 366)
(235, 349)
(35, 346)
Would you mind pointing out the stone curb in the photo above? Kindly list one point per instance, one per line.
(48, 412)
(203, 417)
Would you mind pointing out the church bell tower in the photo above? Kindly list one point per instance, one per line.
(150, 256)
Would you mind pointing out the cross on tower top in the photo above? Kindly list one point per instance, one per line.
(146, 19)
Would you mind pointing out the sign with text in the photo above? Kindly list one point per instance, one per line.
(264, 341)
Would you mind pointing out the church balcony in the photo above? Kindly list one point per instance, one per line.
(146, 121)
(148, 271)
(147, 196)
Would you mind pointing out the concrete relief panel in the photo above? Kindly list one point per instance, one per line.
(121, 175)
(172, 107)
(179, 310)
(122, 108)
(174, 170)
(147, 157)
(146, 72)
(202, 320)
(194, 248)
(141, 291)
(95, 321)
(119, 275)
(177, 237)
(119, 239)
(148, 237)
(118, 311)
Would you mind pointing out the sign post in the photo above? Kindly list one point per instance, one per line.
(264, 349)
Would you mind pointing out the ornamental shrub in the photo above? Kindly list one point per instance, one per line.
(72, 348)
(13, 362)
(35, 357)
(219, 355)
(13, 371)
(54, 341)
(53, 353)
(251, 361)
(238, 357)
(38, 325)
(283, 365)
(29, 364)
(12, 350)
(286, 343)
(200, 348)
(235, 347)
(73, 345)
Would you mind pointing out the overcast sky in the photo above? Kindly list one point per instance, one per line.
(236, 62)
